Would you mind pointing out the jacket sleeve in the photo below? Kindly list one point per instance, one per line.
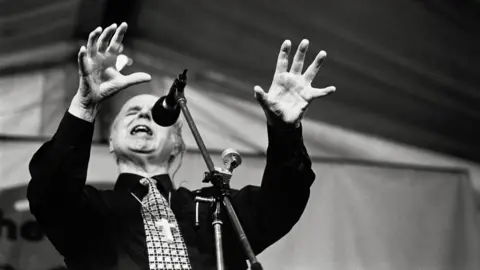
(270, 211)
(56, 191)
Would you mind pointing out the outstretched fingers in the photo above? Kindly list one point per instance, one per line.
(282, 62)
(136, 78)
(314, 67)
(116, 46)
(320, 92)
(260, 94)
(299, 58)
(92, 41)
(104, 39)
(81, 61)
(121, 82)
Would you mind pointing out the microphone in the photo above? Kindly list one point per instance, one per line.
(231, 159)
(165, 112)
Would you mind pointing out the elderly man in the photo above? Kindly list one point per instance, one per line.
(145, 222)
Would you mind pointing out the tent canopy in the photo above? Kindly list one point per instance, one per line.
(405, 70)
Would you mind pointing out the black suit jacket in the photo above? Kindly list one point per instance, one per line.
(103, 229)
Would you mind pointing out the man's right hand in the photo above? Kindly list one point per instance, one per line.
(99, 79)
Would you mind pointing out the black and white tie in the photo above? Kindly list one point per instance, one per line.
(165, 244)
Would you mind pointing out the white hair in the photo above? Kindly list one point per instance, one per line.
(179, 148)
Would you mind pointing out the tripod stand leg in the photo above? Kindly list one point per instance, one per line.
(254, 263)
(217, 226)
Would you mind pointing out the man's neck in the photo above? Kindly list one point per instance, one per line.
(146, 170)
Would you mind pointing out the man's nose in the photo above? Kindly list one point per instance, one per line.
(145, 113)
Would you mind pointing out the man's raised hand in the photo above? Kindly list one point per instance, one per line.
(99, 79)
(291, 92)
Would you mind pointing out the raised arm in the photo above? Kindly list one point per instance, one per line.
(273, 209)
(59, 168)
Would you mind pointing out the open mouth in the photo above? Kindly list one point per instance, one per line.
(141, 129)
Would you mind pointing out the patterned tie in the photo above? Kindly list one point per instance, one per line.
(166, 248)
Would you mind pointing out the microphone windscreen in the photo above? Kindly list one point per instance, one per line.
(162, 116)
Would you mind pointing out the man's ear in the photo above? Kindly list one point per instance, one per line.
(110, 145)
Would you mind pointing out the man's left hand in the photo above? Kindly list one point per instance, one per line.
(291, 92)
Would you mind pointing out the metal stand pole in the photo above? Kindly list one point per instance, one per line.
(219, 179)
(217, 226)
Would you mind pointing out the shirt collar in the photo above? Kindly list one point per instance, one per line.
(130, 182)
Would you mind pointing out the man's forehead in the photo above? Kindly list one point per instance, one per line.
(140, 100)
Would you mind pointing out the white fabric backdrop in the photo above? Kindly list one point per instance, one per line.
(380, 218)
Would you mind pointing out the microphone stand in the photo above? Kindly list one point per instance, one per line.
(220, 180)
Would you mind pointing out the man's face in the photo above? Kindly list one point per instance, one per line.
(135, 134)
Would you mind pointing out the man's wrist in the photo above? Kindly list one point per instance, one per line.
(87, 113)
(280, 125)
(282, 141)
